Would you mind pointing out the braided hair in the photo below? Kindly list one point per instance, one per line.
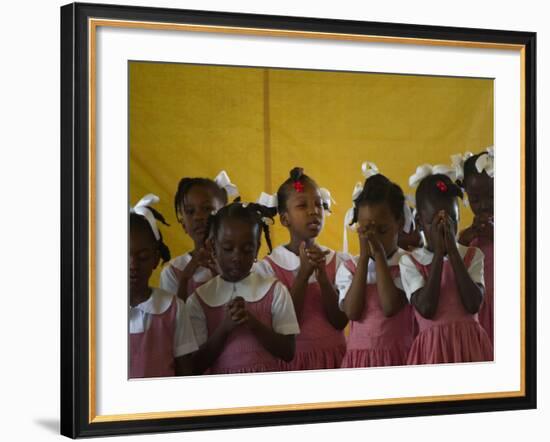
(252, 213)
(296, 180)
(186, 184)
(379, 189)
(139, 221)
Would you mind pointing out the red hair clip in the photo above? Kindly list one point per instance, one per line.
(298, 186)
(441, 186)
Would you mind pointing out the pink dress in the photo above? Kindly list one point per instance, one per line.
(242, 353)
(319, 344)
(152, 351)
(486, 311)
(376, 340)
(453, 334)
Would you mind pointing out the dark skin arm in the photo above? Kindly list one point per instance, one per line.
(410, 241)
(208, 352)
(471, 294)
(280, 346)
(426, 299)
(482, 227)
(392, 299)
(184, 365)
(354, 302)
(467, 236)
(201, 257)
(298, 289)
(329, 294)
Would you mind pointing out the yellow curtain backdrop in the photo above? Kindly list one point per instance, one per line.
(256, 123)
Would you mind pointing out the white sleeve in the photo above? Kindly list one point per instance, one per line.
(198, 319)
(184, 337)
(263, 268)
(475, 270)
(168, 280)
(283, 316)
(343, 282)
(411, 278)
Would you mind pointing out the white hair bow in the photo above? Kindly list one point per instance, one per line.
(356, 191)
(223, 182)
(268, 200)
(141, 209)
(457, 161)
(427, 169)
(326, 198)
(485, 162)
(369, 169)
(348, 218)
(408, 216)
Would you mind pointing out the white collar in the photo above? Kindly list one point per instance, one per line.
(202, 274)
(218, 291)
(157, 303)
(287, 260)
(425, 257)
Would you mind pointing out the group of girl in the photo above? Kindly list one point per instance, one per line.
(220, 310)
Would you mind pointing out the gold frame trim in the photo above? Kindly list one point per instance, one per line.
(93, 24)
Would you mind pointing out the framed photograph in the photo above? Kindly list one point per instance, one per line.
(151, 95)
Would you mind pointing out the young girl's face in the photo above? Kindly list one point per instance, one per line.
(428, 212)
(199, 202)
(305, 215)
(381, 220)
(144, 258)
(480, 190)
(235, 248)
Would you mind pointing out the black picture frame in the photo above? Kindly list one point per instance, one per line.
(75, 219)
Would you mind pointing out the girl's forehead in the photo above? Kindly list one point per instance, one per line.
(200, 193)
(377, 210)
(478, 182)
(236, 227)
(309, 190)
(433, 205)
(141, 235)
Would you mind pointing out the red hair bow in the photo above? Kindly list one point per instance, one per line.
(298, 186)
(441, 186)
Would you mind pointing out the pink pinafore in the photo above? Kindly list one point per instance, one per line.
(376, 340)
(319, 344)
(242, 353)
(152, 351)
(193, 285)
(486, 311)
(453, 334)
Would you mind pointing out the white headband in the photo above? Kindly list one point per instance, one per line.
(426, 170)
(223, 182)
(141, 209)
(485, 162)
